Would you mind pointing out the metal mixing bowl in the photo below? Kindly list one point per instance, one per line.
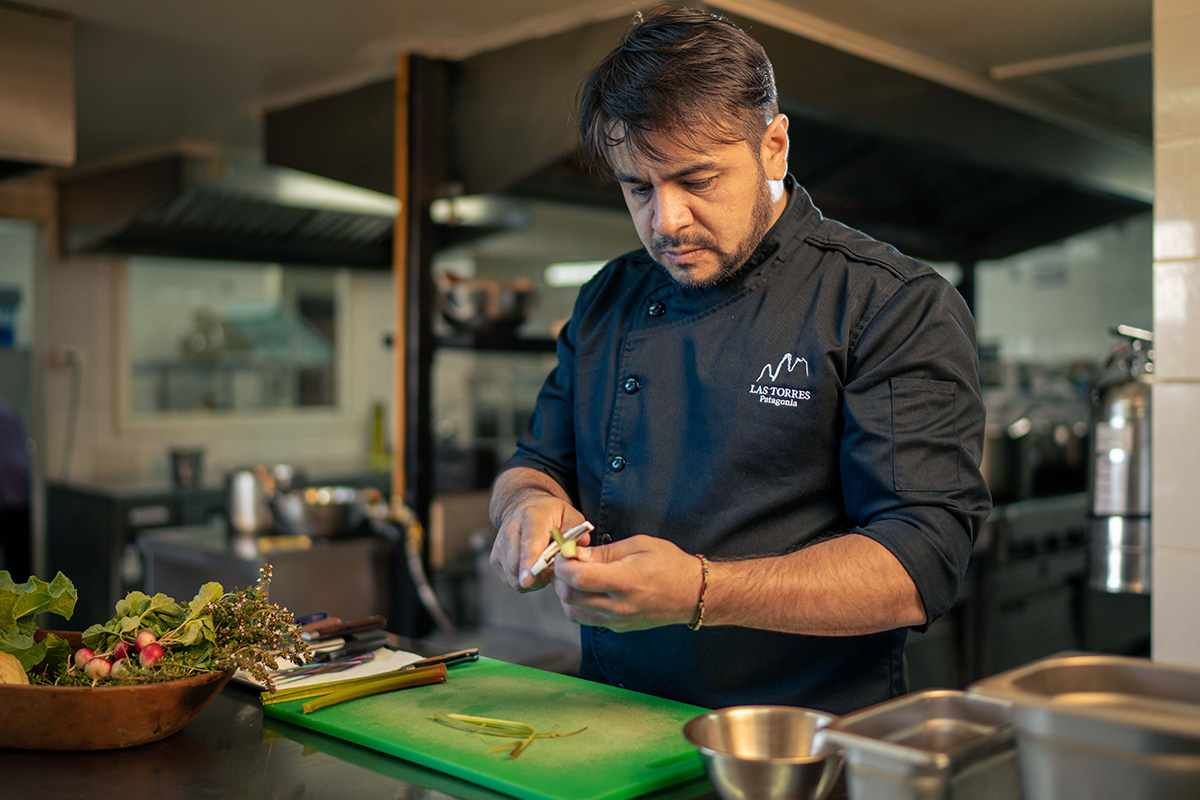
(766, 752)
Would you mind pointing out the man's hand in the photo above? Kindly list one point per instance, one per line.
(525, 505)
(636, 583)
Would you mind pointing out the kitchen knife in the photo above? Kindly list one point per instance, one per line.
(365, 644)
(547, 556)
(354, 626)
(449, 659)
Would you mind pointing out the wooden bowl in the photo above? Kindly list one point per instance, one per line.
(101, 717)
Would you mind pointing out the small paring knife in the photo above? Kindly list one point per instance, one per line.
(547, 556)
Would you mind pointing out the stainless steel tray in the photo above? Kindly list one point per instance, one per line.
(1095, 727)
(931, 745)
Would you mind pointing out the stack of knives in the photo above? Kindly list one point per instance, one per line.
(331, 638)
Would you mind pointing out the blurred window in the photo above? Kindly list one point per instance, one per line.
(219, 336)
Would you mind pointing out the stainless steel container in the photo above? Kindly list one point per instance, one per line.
(246, 503)
(766, 752)
(319, 511)
(1092, 727)
(937, 744)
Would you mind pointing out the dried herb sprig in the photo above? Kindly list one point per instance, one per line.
(252, 633)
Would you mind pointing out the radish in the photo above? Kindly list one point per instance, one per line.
(82, 656)
(144, 638)
(98, 669)
(119, 667)
(151, 653)
(122, 650)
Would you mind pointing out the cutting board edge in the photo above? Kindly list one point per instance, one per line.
(669, 777)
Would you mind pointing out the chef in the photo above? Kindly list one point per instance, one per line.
(773, 421)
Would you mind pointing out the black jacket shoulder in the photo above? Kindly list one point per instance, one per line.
(860, 248)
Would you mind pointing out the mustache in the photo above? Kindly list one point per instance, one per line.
(686, 242)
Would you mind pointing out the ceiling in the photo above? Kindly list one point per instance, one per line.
(153, 74)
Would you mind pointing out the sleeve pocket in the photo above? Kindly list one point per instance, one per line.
(925, 441)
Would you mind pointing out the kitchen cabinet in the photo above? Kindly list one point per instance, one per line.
(92, 532)
(350, 578)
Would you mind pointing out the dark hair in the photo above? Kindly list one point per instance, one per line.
(686, 74)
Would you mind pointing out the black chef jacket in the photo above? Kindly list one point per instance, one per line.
(830, 386)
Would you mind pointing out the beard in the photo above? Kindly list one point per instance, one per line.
(729, 261)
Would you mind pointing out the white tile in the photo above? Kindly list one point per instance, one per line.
(1175, 625)
(1176, 469)
(1177, 199)
(1176, 77)
(1177, 320)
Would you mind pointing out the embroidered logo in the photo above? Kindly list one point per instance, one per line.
(789, 361)
(777, 395)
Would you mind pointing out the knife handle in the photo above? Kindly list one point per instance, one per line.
(449, 659)
(354, 626)
(354, 647)
(320, 624)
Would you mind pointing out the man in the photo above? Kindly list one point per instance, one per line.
(774, 418)
(15, 470)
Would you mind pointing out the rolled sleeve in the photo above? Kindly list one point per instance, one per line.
(548, 442)
(913, 437)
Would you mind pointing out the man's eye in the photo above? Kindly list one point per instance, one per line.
(698, 185)
(639, 191)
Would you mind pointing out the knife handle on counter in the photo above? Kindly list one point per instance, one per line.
(345, 628)
(320, 624)
(449, 659)
(354, 646)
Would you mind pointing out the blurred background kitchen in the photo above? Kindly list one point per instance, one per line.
(271, 271)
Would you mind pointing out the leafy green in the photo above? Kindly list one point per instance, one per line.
(216, 630)
(20, 603)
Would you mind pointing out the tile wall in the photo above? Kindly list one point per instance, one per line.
(1176, 625)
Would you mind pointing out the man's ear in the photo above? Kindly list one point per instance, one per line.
(775, 148)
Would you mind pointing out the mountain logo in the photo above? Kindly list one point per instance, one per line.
(789, 361)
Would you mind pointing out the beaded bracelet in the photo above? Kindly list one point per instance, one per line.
(698, 620)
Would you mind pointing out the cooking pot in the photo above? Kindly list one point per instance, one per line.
(320, 512)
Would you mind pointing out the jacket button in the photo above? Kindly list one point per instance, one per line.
(656, 309)
(631, 385)
(617, 464)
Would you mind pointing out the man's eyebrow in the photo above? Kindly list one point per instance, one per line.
(688, 169)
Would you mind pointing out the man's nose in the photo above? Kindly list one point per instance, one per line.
(671, 211)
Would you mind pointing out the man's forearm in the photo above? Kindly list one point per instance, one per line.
(515, 486)
(847, 586)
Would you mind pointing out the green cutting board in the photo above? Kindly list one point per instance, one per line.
(614, 759)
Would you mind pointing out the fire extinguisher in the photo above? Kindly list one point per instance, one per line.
(1119, 475)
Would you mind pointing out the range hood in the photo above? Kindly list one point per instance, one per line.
(196, 204)
(942, 175)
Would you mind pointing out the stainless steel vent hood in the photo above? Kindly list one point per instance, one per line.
(200, 204)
